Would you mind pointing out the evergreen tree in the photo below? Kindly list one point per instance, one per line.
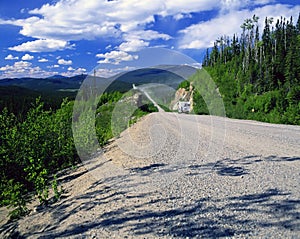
(259, 77)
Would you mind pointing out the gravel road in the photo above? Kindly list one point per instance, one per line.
(181, 176)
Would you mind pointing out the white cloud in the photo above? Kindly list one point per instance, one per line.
(80, 70)
(11, 57)
(263, 2)
(146, 35)
(27, 57)
(19, 64)
(43, 60)
(72, 72)
(174, 7)
(180, 16)
(115, 57)
(64, 62)
(42, 45)
(105, 72)
(23, 69)
(55, 24)
(231, 5)
(139, 39)
(108, 47)
(203, 35)
(234, 5)
(133, 46)
(53, 66)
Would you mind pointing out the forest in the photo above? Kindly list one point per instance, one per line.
(258, 72)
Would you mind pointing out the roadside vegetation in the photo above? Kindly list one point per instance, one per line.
(258, 76)
(32, 150)
(39, 143)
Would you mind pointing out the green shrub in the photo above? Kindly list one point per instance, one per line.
(184, 84)
(199, 105)
(32, 150)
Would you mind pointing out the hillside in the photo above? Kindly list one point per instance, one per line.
(18, 92)
(45, 84)
(259, 75)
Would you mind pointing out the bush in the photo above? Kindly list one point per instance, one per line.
(199, 106)
(32, 150)
(184, 84)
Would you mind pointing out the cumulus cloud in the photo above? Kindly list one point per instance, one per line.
(234, 5)
(43, 60)
(115, 57)
(175, 7)
(64, 62)
(133, 46)
(231, 5)
(22, 69)
(56, 24)
(105, 72)
(42, 45)
(11, 57)
(80, 70)
(17, 65)
(27, 57)
(72, 72)
(263, 2)
(201, 35)
(146, 35)
(180, 16)
(53, 66)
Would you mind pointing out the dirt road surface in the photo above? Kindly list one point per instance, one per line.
(180, 176)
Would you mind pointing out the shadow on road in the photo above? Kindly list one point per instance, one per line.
(205, 217)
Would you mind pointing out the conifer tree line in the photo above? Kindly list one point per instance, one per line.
(258, 72)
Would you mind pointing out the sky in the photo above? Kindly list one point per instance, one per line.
(41, 38)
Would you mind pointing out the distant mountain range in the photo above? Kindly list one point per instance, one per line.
(57, 77)
(53, 89)
(17, 94)
(49, 84)
(170, 75)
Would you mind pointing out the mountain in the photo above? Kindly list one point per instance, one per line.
(170, 75)
(17, 94)
(53, 89)
(50, 84)
(57, 77)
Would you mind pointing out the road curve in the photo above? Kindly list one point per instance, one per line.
(185, 176)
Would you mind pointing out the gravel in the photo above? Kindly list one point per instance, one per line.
(180, 176)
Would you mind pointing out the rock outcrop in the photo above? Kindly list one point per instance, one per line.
(182, 94)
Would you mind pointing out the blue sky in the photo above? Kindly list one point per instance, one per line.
(40, 38)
